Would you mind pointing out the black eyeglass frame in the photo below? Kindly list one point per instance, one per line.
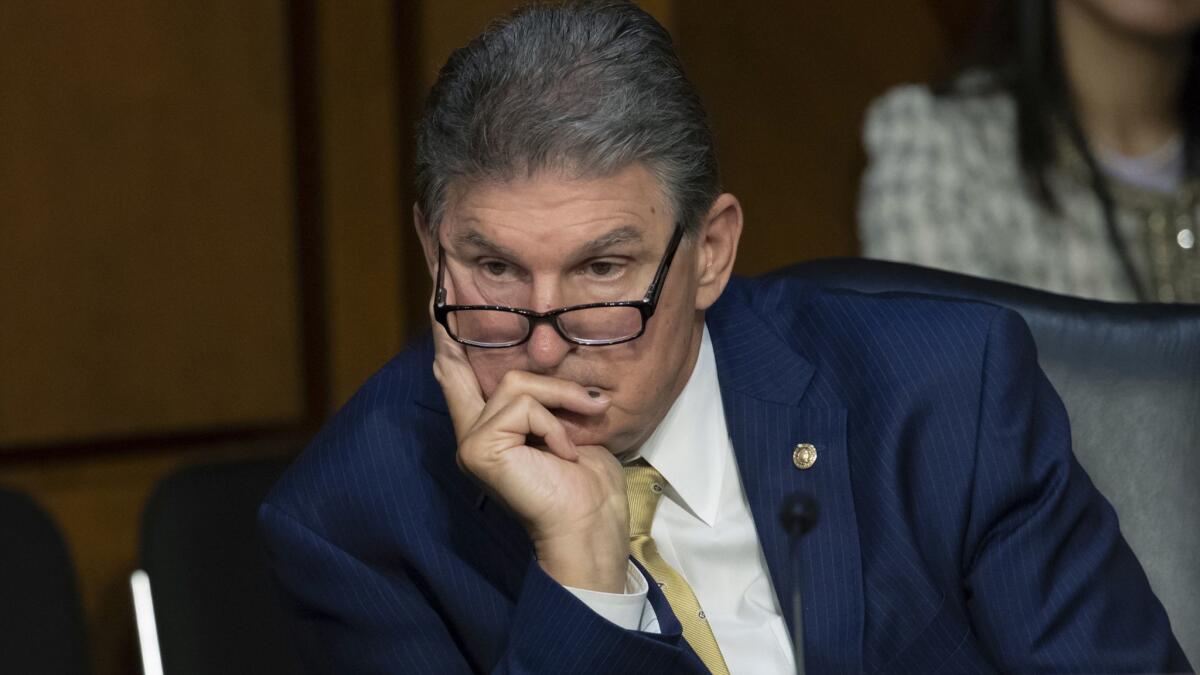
(646, 306)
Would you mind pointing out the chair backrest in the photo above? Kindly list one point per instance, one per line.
(41, 617)
(1129, 375)
(215, 603)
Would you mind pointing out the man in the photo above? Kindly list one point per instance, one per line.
(581, 471)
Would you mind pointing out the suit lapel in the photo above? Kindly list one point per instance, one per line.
(772, 402)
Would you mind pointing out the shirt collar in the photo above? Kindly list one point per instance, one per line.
(687, 446)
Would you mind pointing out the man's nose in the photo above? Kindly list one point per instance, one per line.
(546, 348)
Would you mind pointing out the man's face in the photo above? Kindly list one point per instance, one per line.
(549, 242)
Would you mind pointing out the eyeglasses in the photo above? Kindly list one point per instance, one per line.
(595, 324)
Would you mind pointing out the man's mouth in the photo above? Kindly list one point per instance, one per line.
(573, 419)
(574, 423)
(582, 428)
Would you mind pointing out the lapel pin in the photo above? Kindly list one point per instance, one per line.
(804, 456)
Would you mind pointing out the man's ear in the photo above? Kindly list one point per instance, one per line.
(716, 248)
(428, 241)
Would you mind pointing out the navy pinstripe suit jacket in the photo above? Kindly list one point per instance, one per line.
(958, 534)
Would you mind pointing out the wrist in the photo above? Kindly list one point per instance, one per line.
(591, 563)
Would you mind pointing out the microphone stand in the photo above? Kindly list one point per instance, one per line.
(798, 516)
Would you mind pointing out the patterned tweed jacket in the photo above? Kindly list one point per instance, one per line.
(943, 188)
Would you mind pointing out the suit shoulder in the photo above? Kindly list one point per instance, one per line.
(903, 338)
(371, 445)
(795, 295)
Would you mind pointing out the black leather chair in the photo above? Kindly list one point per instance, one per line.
(41, 617)
(1130, 378)
(215, 603)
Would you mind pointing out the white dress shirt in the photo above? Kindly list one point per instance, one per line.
(703, 528)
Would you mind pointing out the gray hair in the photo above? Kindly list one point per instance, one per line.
(587, 88)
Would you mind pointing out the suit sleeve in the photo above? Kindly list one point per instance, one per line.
(1053, 585)
(355, 617)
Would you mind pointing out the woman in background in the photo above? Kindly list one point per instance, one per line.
(1064, 156)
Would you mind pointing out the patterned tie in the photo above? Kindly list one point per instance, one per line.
(644, 487)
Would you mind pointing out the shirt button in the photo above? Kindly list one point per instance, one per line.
(1186, 239)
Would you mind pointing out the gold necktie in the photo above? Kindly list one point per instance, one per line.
(644, 486)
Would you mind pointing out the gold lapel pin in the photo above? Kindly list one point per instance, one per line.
(804, 456)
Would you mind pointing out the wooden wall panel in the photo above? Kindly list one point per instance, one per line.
(786, 84)
(147, 274)
(360, 122)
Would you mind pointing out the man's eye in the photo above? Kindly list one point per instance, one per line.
(602, 268)
(496, 269)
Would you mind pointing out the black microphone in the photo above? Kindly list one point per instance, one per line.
(798, 516)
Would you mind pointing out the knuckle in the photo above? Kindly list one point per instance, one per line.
(467, 453)
(513, 379)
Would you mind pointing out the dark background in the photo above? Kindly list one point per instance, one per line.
(205, 235)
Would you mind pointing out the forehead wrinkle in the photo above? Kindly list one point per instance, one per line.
(475, 238)
(622, 235)
(625, 234)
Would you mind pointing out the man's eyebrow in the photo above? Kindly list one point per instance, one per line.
(622, 235)
(475, 239)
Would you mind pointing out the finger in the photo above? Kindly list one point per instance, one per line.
(550, 392)
(543, 423)
(525, 416)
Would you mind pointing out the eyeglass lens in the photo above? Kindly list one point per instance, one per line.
(593, 324)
